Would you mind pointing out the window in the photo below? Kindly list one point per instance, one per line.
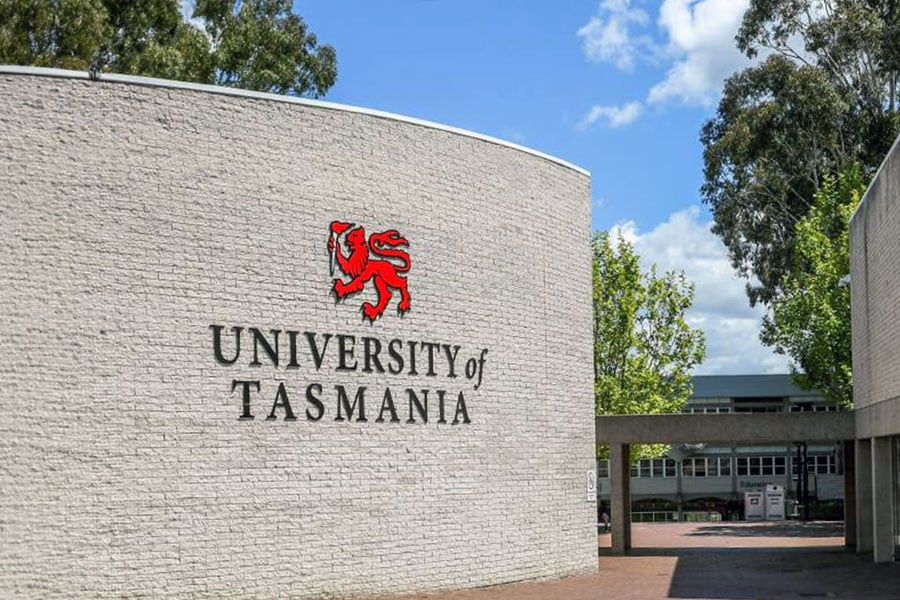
(709, 410)
(670, 467)
(656, 467)
(725, 467)
(779, 465)
(750, 466)
(699, 467)
(820, 465)
(603, 468)
(813, 407)
(706, 467)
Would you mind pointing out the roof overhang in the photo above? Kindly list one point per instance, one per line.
(742, 428)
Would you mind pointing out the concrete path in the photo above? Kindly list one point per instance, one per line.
(716, 561)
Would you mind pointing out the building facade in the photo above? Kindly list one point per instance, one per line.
(262, 347)
(708, 481)
(875, 297)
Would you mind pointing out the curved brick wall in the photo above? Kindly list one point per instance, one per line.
(140, 218)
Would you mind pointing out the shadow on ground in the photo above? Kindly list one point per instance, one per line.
(793, 529)
(784, 575)
(787, 560)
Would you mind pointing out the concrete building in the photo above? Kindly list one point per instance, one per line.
(189, 413)
(708, 481)
(875, 298)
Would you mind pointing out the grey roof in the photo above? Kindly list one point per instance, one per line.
(746, 386)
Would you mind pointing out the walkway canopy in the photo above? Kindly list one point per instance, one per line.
(746, 429)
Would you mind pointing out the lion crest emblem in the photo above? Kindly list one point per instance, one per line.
(367, 260)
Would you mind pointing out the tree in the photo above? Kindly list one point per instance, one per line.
(253, 44)
(810, 322)
(644, 349)
(825, 97)
(264, 46)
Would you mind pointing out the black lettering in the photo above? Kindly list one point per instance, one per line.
(371, 350)
(387, 403)
(260, 340)
(344, 402)
(461, 409)
(431, 348)
(245, 396)
(315, 402)
(471, 368)
(451, 359)
(441, 394)
(344, 353)
(281, 399)
(292, 342)
(317, 354)
(481, 361)
(412, 358)
(421, 407)
(217, 344)
(396, 364)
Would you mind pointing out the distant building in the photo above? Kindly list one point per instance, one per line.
(698, 481)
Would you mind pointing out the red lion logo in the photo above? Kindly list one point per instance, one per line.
(361, 268)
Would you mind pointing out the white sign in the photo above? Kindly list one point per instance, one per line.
(591, 481)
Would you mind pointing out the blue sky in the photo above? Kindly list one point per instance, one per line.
(519, 71)
(619, 87)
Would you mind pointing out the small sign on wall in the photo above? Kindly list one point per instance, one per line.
(591, 486)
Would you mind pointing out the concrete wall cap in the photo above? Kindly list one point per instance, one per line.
(894, 148)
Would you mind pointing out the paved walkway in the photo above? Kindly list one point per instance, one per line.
(716, 561)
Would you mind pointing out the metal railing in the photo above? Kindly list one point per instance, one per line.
(671, 516)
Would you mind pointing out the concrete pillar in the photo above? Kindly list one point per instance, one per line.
(620, 496)
(848, 459)
(863, 496)
(882, 501)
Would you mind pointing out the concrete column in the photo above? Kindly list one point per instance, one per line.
(620, 496)
(848, 459)
(863, 496)
(882, 501)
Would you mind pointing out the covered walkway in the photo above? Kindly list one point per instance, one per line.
(621, 431)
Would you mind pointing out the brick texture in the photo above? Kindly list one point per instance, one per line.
(135, 216)
(875, 302)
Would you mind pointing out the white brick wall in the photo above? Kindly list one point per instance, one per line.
(875, 303)
(133, 217)
(875, 293)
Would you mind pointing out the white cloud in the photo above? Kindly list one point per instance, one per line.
(720, 306)
(701, 45)
(615, 116)
(693, 39)
(608, 36)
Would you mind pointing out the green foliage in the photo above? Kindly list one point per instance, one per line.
(644, 349)
(52, 33)
(253, 44)
(824, 98)
(264, 46)
(810, 322)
